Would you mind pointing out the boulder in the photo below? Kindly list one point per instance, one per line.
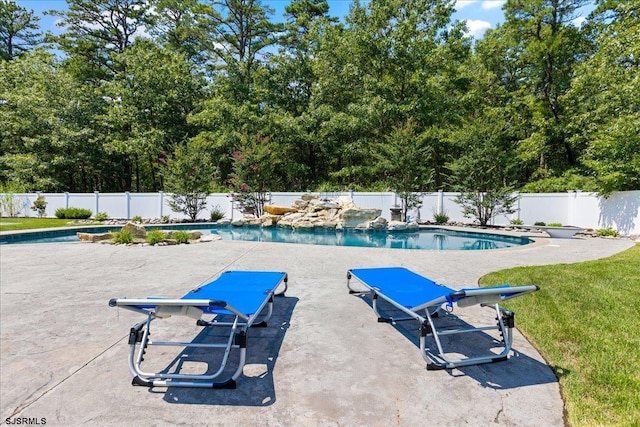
(278, 210)
(88, 237)
(358, 218)
(209, 238)
(403, 226)
(136, 229)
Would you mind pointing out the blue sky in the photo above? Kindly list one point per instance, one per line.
(480, 15)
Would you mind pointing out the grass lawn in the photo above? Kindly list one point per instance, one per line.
(8, 224)
(585, 321)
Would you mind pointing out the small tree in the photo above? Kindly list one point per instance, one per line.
(483, 171)
(403, 161)
(189, 176)
(485, 205)
(40, 206)
(256, 170)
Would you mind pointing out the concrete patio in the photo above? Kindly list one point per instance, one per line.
(323, 360)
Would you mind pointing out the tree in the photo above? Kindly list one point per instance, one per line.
(178, 24)
(188, 178)
(147, 109)
(542, 47)
(256, 170)
(404, 167)
(96, 30)
(605, 103)
(46, 142)
(18, 30)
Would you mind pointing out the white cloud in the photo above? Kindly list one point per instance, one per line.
(495, 4)
(477, 27)
(461, 4)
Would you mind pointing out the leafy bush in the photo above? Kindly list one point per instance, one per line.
(216, 213)
(539, 223)
(516, 221)
(40, 206)
(554, 224)
(123, 236)
(73, 213)
(101, 216)
(181, 236)
(136, 218)
(607, 232)
(155, 236)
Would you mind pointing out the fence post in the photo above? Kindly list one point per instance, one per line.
(161, 199)
(96, 194)
(128, 202)
(230, 197)
(66, 200)
(440, 206)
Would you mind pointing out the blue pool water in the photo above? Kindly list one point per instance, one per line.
(437, 239)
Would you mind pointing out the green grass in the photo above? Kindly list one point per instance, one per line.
(9, 224)
(585, 321)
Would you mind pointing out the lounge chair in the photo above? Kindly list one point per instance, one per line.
(241, 295)
(414, 294)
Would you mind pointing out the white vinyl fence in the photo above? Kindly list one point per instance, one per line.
(620, 211)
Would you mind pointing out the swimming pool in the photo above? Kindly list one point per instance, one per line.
(425, 238)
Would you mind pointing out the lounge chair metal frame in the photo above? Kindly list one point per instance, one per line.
(237, 338)
(446, 297)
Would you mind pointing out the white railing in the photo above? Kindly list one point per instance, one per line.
(620, 211)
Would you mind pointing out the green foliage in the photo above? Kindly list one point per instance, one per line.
(516, 221)
(123, 236)
(540, 223)
(189, 177)
(181, 236)
(484, 206)
(73, 213)
(40, 206)
(10, 205)
(136, 218)
(568, 181)
(18, 30)
(155, 236)
(570, 322)
(607, 232)
(392, 97)
(440, 218)
(256, 170)
(554, 224)
(216, 213)
(101, 216)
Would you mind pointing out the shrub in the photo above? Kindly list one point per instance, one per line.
(73, 213)
(155, 236)
(40, 206)
(165, 219)
(216, 213)
(607, 232)
(101, 216)
(539, 223)
(440, 218)
(123, 236)
(554, 224)
(181, 236)
(136, 218)
(516, 221)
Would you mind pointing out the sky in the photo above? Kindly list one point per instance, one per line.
(480, 15)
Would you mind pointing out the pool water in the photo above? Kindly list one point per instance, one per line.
(435, 239)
